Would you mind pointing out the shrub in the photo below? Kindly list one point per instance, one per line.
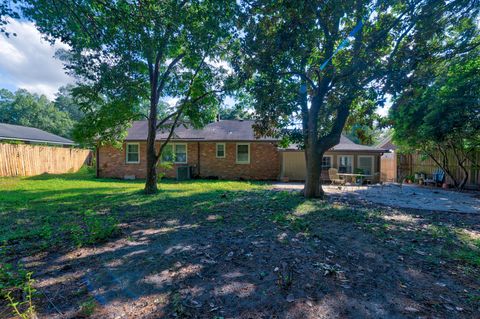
(16, 287)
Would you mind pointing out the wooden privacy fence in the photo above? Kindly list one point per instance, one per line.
(30, 160)
(388, 167)
(409, 164)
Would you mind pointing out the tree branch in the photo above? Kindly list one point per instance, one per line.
(164, 120)
(170, 134)
(165, 75)
(302, 75)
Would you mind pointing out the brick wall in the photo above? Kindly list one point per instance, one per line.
(264, 162)
(111, 163)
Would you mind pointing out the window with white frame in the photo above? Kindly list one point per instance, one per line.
(176, 153)
(220, 150)
(132, 153)
(365, 163)
(326, 162)
(180, 153)
(167, 153)
(345, 164)
(243, 153)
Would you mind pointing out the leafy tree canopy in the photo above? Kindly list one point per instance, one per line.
(64, 101)
(438, 113)
(128, 54)
(7, 10)
(235, 112)
(27, 109)
(315, 60)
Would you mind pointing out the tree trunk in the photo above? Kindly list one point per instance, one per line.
(464, 180)
(313, 188)
(151, 180)
(152, 158)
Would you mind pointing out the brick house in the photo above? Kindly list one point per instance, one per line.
(225, 149)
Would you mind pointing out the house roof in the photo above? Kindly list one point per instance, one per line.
(231, 130)
(30, 134)
(387, 143)
(346, 145)
(223, 130)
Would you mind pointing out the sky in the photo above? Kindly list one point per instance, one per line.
(27, 61)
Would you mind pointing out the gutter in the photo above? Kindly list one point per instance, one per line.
(36, 141)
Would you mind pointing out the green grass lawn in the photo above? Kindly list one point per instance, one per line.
(56, 214)
(65, 211)
(45, 211)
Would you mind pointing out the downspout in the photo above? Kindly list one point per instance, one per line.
(198, 158)
(282, 164)
(97, 161)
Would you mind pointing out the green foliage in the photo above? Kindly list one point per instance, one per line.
(16, 287)
(164, 166)
(65, 102)
(7, 11)
(87, 308)
(296, 223)
(27, 109)
(236, 112)
(169, 51)
(58, 202)
(95, 228)
(443, 108)
(438, 113)
(364, 124)
(41, 212)
(11, 278)
(286, 44)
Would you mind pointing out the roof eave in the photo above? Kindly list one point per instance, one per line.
(35, 141)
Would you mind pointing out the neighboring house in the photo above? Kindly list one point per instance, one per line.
(31, 135)
(28, 151)
(227, 149)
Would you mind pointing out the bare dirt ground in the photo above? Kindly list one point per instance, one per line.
(253, 255)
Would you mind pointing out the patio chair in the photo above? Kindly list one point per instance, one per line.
(334, 178)
(371, 179)
(438, 177)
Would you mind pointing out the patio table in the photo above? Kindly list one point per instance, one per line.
(353, 177)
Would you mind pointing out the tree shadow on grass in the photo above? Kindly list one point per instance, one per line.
(245, 254)
(251, 254)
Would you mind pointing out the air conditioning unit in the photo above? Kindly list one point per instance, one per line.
(183, 173)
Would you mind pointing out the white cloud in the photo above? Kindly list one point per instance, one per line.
(383, 111)
(27, 61)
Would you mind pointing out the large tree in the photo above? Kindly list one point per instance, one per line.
(33, 110)
(438, 114)
(132, 53)
(64, 101)
(313, 59)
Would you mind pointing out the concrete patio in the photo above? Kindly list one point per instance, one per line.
(403, 196)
